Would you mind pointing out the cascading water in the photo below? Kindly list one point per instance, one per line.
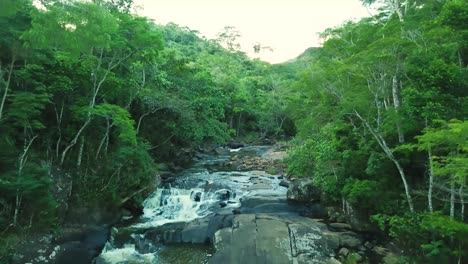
(180, 205)
(196, 194)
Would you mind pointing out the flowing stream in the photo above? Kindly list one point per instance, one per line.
(203, 191)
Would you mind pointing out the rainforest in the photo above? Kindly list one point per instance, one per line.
(102, 110)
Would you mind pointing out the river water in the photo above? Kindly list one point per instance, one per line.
(206, 190)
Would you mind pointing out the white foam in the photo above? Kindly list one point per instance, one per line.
(127, 253)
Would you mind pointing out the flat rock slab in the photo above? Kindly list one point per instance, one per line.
(263, 239)
(273, 245)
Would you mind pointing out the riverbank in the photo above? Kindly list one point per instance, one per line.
(232, 205)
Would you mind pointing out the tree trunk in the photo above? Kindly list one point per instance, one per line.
(80, 152)
(17, 207)
(96, 88)
(431, 179)
(396, 93)
(231, 121)
(462, 202)
(74, 140)
(104, 139)
(239, 120)
(452, 197)
(139, 122)
(21, 164)
(59, 127)
(398, 10)
(7, 86)
(383, 144)
(280, 126)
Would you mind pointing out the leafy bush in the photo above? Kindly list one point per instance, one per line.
(428, 237)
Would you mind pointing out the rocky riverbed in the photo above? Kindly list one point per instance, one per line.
(231, 206)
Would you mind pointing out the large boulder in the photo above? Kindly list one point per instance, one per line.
(303, 191)
(235, 145)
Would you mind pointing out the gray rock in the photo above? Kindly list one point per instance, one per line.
(271, 239)
(196, 231)
(340, 226)
(303, 191)
(350, 240)
(236, 244)
(343, 252)
(284, 183)
(272, 242)
(308, 244)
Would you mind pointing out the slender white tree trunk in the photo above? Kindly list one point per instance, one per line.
(104, 139)
(398, 9)
(80, 152)
(59, 117)
(462, 202)
(7, 86)
(431, 180)
(21, 164)
(452, 197)
(396, 93)
(383, 144)
(97, 85)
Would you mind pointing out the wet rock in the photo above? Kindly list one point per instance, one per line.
(235, 145)
(184, 157)
(197, 197)
(218, 222)
(221, 151)
(196, 231)
(224, 194)
(74, 253)
(223, 204)
(81, 246)
(236, 211)
(284, 183)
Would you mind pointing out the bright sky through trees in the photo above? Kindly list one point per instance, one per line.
(289, 27)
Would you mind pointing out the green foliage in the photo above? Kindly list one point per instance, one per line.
(363, 193)
(300, 159)
(451, 140)
(368, 107)
(428, 237)
(120, 118)
(75, 28)
(33, 186)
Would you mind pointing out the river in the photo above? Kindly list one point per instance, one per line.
(212, 213)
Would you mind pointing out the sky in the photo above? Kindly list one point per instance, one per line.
(287, 26)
